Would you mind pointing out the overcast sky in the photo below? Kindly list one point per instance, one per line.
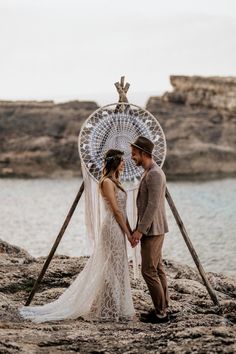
(74, 49)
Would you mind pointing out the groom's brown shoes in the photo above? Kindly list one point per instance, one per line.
(153, 318)
(147, 314)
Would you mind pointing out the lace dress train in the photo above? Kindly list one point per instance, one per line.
(102, 290)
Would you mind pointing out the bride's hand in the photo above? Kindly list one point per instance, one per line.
(130, 238)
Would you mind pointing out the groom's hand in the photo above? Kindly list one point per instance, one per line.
(136, 236)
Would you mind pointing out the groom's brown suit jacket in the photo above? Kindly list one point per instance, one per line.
(151, 202)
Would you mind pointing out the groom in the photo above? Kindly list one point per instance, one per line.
(151, 228)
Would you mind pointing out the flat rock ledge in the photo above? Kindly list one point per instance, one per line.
(196, 325)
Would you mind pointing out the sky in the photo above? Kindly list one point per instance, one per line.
(76, 49)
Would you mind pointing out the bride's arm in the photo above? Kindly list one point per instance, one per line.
(108, 191)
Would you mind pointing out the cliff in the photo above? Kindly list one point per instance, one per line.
(196, 325)
(40, 139)
(199, 120)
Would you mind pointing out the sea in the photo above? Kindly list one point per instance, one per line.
(32, 212)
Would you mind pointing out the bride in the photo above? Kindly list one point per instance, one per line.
(102, 290)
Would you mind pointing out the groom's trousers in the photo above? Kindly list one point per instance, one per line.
(153, 271)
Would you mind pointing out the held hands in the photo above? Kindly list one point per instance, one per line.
(135, 238)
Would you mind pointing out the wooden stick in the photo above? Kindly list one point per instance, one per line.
(122, 94)
(191, 248)
(122, 81)
(127, 85)
(56, 243)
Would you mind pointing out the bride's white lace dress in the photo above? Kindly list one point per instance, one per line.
(102, 290)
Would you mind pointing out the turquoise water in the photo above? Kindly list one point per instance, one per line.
(32, 212)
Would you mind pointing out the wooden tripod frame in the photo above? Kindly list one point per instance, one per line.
(122, 89)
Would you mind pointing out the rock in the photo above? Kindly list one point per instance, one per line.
(40, 139)
(196, 325)
(13, 254)
(213, 92)
(199, 122)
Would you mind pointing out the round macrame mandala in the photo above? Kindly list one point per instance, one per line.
(113, 127)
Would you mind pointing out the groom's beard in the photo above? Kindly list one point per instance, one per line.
(137, 162)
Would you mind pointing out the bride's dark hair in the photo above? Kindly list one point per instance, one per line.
(112, 159)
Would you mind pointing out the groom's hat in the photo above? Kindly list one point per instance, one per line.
(144, 144)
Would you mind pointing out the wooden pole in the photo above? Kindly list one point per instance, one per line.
(122, 90)
(191, 248)
(56, 243)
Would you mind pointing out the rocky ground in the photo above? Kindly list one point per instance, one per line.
(197, 326)
(39, 139)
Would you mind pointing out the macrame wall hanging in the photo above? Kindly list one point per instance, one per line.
(115, 126)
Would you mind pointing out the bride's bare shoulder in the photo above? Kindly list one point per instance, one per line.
(107, 185)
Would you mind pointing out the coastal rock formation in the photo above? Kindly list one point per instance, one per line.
(40, 139)
(196, 324)
(199, 121)
(211, 92)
